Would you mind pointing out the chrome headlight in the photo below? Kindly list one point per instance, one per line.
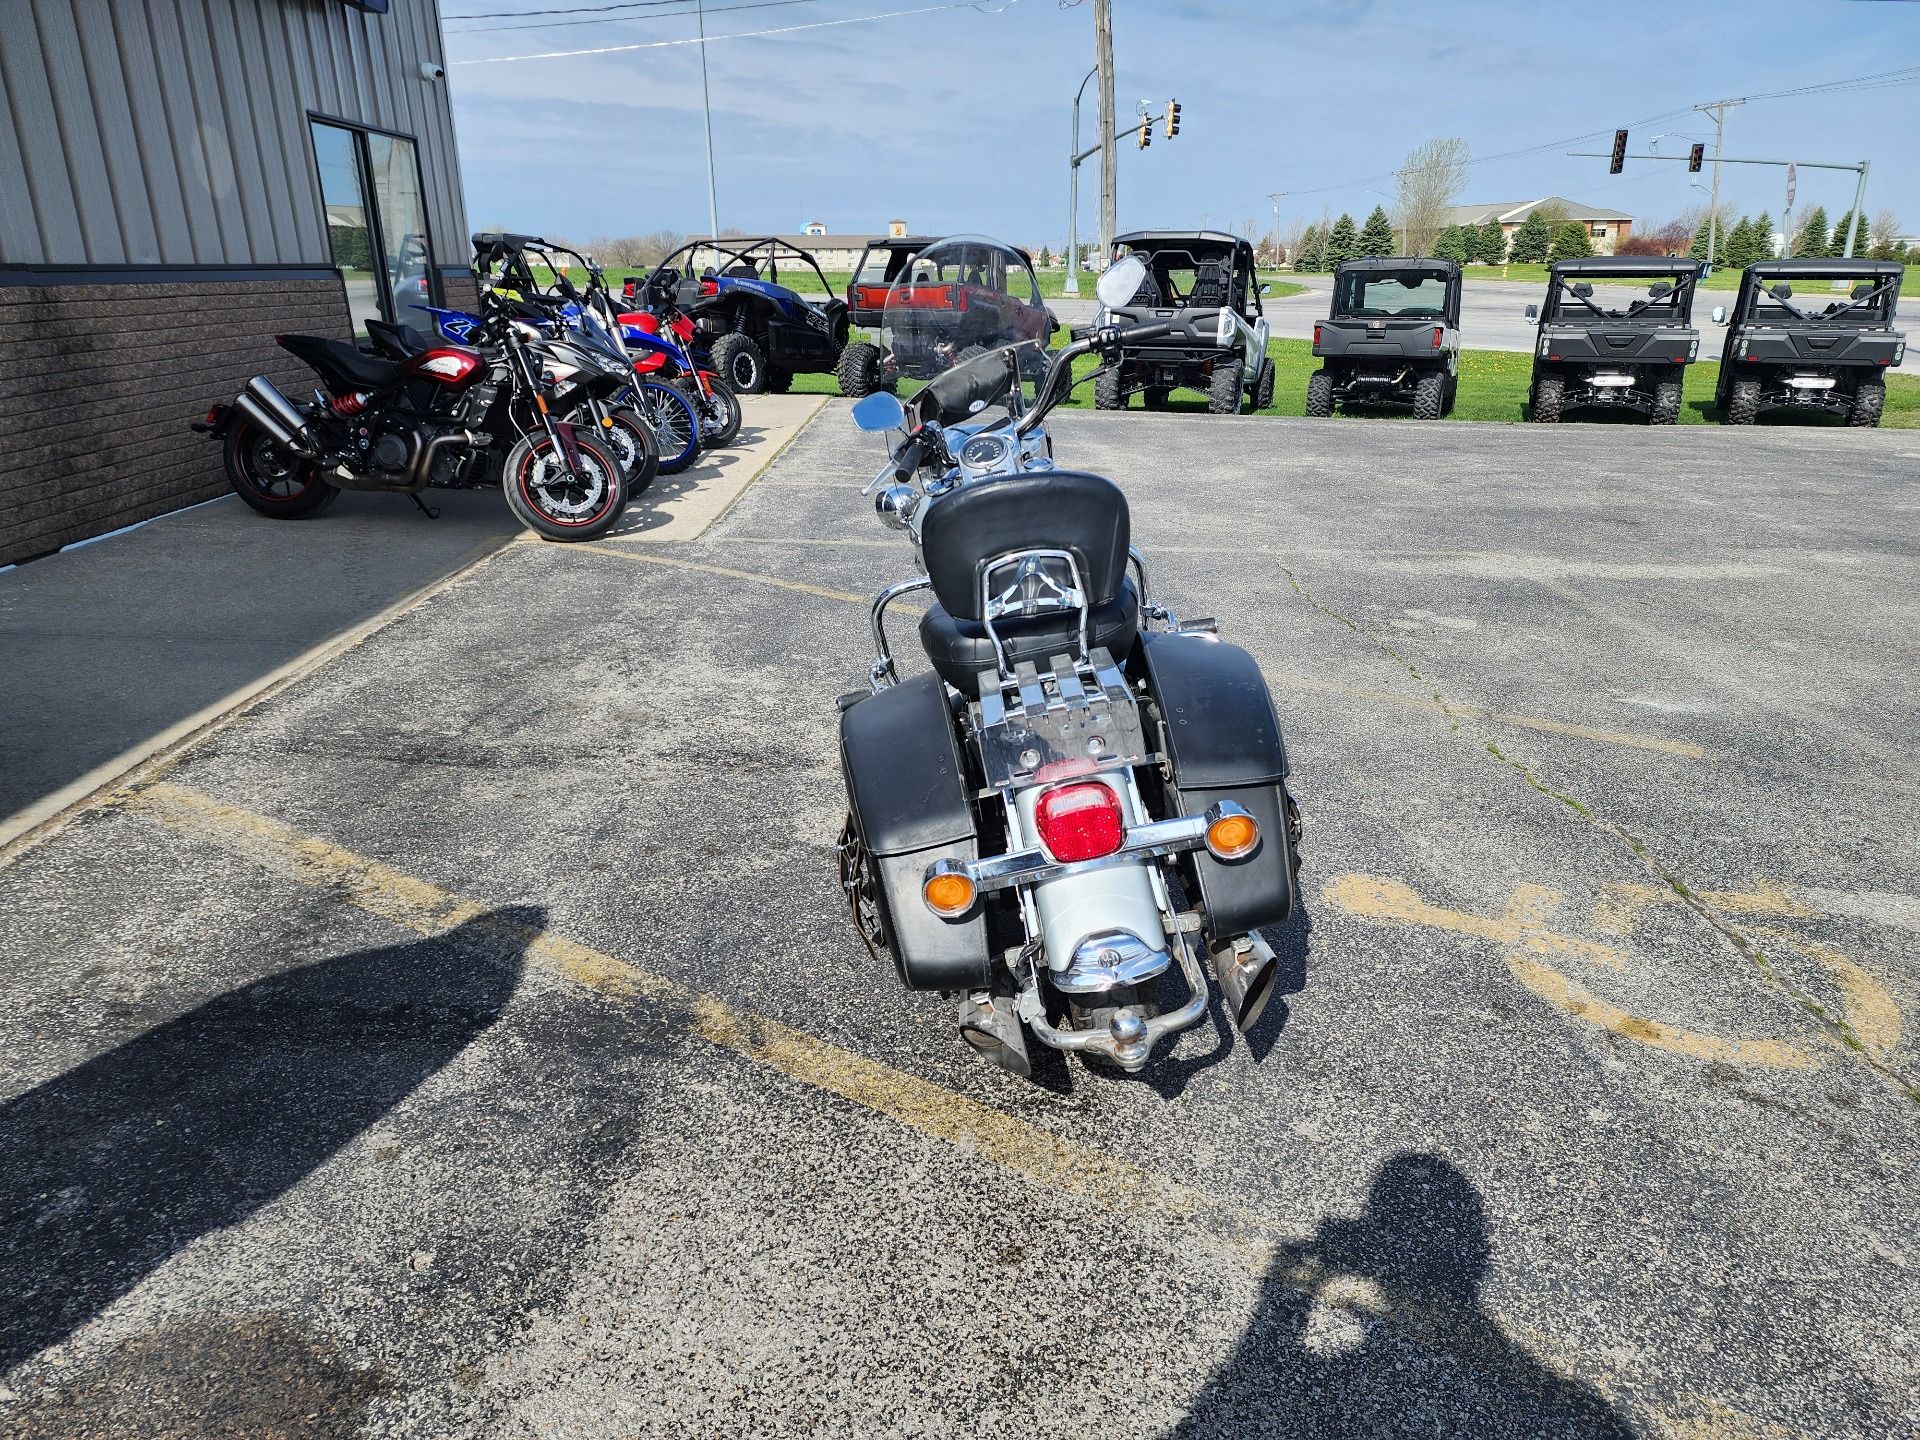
(895, 505)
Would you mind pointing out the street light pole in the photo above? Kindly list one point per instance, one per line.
(706, 109)
(1072, 285)
(1719, 109)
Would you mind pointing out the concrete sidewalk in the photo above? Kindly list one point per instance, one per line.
(119, 649)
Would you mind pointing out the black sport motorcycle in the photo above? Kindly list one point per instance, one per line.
(437, 416)
(1083, 793)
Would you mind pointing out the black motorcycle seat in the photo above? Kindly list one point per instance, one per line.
(336, 359)
(1083, 514)
(398, 341)
(961, 649)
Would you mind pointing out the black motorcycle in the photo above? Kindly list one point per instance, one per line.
(435, 416)
(1083, 792)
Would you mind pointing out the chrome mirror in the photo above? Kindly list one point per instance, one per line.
(1120, 281)
(881, 410)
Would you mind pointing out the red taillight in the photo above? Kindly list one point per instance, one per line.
(1438, 332)
(1316, 335)
(213, 415)
(1080, 822)
(709, 287)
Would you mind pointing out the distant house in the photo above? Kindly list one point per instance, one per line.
(833, 252)
(1607, 228)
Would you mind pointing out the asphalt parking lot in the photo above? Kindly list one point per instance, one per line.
(468, 1038)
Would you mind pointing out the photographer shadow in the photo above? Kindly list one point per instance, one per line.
(1374, 1328)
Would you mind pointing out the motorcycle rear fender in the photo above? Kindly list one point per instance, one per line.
(1222, 742)
(907, 790)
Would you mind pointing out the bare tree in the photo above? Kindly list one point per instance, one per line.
(1429, 182)
(1882, 228)
(619, 249)
(1286, 239)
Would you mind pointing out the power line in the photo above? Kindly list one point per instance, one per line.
(621, 19)
(740, 35)
(568, 10)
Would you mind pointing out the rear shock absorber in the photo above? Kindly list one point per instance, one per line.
(349, 404)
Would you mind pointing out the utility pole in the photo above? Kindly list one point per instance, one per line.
(706, 108)
(1719, 109)
(1109, 150)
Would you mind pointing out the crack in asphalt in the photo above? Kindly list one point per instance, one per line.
(1836, 1026)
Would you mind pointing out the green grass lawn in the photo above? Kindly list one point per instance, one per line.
(1493, 386)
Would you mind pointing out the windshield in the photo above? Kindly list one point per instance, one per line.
(1374, 294)
(1812, 297)
(955, 301)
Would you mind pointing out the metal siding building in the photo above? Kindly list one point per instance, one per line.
(161, 217)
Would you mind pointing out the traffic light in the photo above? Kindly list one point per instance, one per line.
(1695, 156)
(1146, 134)
(1173, 118)
(1619, 153)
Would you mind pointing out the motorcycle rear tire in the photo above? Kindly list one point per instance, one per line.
(518, 480)
(256, 466)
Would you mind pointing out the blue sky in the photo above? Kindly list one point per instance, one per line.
(958, 120)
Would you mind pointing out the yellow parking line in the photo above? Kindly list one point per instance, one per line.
(1048, 1159)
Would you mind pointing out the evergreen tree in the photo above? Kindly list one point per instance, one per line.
(1343, 241)
(1376, 238)
(1760, 238)
(1493, 243)
(1737, 253)
(1452, 243)
(1837, 243)
(1811, 238)
(1532, 240)
(1570, 242)
(1307, 256)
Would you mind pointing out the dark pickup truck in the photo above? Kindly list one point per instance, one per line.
(1826, 348)
(1630, 356)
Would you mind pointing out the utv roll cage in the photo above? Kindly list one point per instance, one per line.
(1869, 301)
(1220, 267)
(1354, 278)
(748, 258)
(1570, 290)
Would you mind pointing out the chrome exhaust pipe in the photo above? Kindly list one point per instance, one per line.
(988, 1023)
(1247, 970)
(263, 404)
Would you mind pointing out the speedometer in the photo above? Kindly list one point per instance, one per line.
(983, 452)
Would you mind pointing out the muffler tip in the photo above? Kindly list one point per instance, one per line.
(1247, 973)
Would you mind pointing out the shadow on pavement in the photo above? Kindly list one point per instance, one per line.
(122, 1162)
(1374, 1328)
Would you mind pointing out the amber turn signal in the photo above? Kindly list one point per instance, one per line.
(948, 894)
(1232, 837)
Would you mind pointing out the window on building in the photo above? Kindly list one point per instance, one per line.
(1597, 230)
(376, 223)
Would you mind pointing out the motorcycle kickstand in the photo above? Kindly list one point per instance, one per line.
(988, 1023)
(425, 509)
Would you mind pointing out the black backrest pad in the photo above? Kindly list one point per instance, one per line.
(1070, 510)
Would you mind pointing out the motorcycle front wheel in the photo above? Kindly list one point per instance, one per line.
(670, 415)
(271, 478)
(563, 504)
(720, 417)
(631, 440)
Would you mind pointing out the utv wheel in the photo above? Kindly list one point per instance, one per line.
(859, 369)
(1549, 399)
(1430, 396)
(271, 479)
(779, 381)
(1263, 387)
(1666, 403)
(1107, 391)
(1869, 399)
(1743, 403)
(1223, 394)
(1320, 395)
(1453, 393)
(741, 363)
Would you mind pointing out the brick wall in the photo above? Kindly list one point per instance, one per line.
(101, 381)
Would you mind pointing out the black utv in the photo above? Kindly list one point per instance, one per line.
(1391, 336)
(1202, 283)
(758, 331)
(1814, 351)
(1628, 352)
